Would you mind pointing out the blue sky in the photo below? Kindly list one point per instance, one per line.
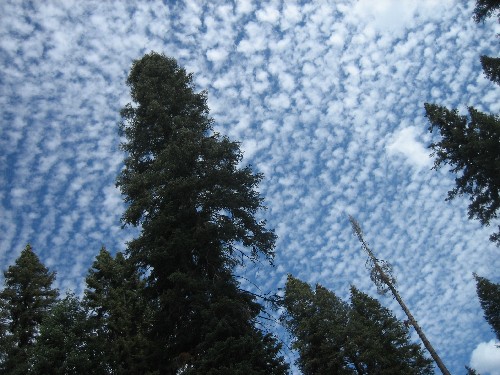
(326, 99)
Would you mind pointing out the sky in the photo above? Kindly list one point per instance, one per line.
(327, 99)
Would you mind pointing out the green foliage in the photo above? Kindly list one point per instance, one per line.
(66, 342)
(119, 313)
(485, 8)
(184, 186)
(24, 301)
(489, 297)
(386, 348)
(491, 68)
(228, 328)
(319, 322)
(471, 371)
(471, 146)
(333, 337)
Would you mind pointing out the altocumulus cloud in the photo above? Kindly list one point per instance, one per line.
(327, 100)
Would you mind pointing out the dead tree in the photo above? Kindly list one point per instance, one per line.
(381, 275)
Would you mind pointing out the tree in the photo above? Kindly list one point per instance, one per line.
(318, 321)
(381, 275)
(384, 342)
(472, 147)
(484, 9)
(196, 207)
(119, 313)
(66, 342)
(491, 68)
(489, 297)
(333, 337)
(25, 300)
(471, 371)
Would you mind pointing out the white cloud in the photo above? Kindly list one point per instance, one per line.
(327, 100)
(268, 14)
(485, 358)
(397, 15)
(217, 55)
(404, 143)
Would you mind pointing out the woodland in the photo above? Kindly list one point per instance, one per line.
(171, 304)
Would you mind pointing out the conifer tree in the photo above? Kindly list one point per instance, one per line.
(471, 371)
(119, 313)
(25, 300)
(386, 340)
(471, 144)
(318, 321)
(196, 208)
(333, 337)
(485, 9)
(66, 345)
(489, 297)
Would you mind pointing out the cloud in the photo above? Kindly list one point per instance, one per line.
(326, 99)
(404, 143)
(395, 16)
(485, 358)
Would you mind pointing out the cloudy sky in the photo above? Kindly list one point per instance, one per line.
(326, 98)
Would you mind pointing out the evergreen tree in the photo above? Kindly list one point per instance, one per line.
(491, 68)
(486, 8)
(25, 300)
(471, 146)
(384, 342)
(471, 371)
(114, 296)
(483, 10)
(318, 321)
(333, 337)
(196, 208)
(66, 342)
(489, 297)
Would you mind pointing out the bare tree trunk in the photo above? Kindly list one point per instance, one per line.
(388, 281)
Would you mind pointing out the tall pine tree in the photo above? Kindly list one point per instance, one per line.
(67, 343)
(333, 337)
(119, 313)
(25, 300)
(471, 144)
(489, 297)
(196, 207)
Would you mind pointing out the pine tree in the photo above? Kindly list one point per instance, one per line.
(386, 349)
(471, 146)
(491, 68)
(66, 342)
(25, 300)
(333, 337)
(196, 207)
(471, 371)
(485, 9)
(119, 313)
(489, 297)
(318, 321)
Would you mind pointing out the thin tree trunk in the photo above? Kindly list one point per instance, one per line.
(387, 281)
